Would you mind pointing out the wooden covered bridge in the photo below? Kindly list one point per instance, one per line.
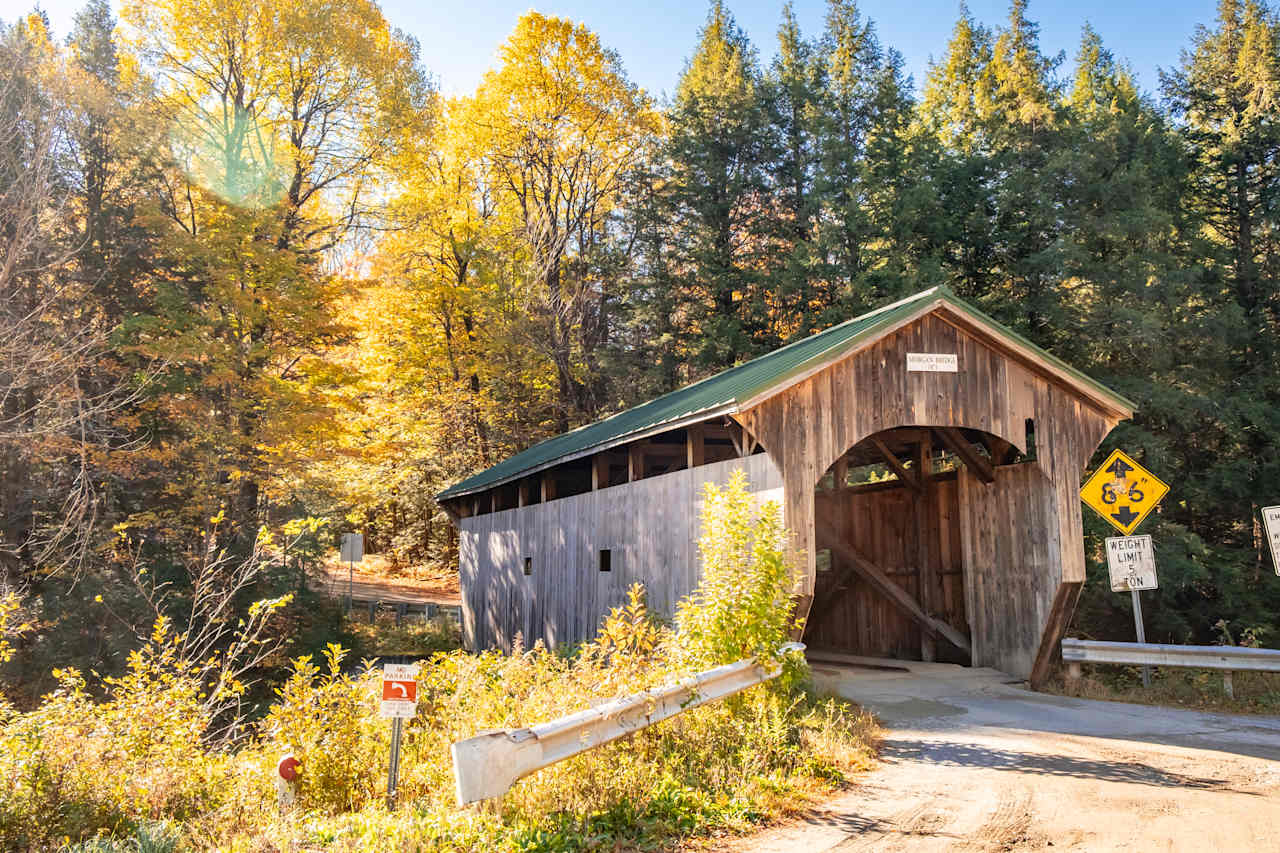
(927, 460)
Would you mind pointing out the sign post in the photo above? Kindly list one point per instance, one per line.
(1131, 561)
(400, 703)
(1271, 524)
(352, 552)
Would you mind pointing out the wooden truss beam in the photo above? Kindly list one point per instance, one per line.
(856, 564)
(1002, 452)
(960, 446)
(907, 477)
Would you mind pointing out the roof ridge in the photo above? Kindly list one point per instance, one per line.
(741, 365)
(725, 391)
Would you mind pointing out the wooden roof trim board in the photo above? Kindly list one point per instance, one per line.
(739, 388)
(973, 322)
(1110, 404)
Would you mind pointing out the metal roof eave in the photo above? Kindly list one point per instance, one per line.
(457, 490)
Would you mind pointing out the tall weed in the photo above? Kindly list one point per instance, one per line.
(106, 772)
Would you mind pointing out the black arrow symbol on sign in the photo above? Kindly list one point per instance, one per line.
(1120, 468)
(1124, 515)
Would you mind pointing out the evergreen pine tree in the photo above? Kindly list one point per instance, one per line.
(716, 146)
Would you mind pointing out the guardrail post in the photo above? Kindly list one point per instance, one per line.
(1227, 686)
(1074, 672)
(373, 609)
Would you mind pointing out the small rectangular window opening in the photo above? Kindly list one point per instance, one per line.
(528, 565)
(606, 560)
(1031, 438)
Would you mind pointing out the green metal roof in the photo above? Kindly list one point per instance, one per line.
(724, 392)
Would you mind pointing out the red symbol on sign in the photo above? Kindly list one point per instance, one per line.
(404, 691)
(288, 768)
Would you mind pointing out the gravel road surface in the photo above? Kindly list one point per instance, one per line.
(973, 761)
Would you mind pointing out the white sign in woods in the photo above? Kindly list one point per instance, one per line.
(352, 547)
(1132, 561)
(399, 690)
(933, 362)
(1271, 521)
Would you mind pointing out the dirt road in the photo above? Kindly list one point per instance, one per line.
(334, 583)
(973, 762)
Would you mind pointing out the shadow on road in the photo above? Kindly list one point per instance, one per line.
(975, 755)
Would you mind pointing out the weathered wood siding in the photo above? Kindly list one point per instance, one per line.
(1010, 551)
(885, 527)
(807, 426)
(650, 526)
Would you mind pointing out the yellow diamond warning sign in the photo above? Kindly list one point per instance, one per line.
(1123, 492)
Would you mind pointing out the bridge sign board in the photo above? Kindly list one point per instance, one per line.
(352, 549)
(1271, 522)
(1132, 561)
(1123, 492)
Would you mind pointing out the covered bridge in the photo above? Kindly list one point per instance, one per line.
(927, 460)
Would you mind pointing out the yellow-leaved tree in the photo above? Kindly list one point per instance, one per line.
(283, 120)
(493, 298)
(560, 126)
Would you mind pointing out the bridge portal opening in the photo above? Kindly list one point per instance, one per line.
(889, 549)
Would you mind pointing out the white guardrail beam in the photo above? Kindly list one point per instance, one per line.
(1229, 658)
(487, 765)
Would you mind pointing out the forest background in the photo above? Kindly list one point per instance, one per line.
(257, 274)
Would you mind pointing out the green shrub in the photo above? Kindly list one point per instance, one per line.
(109, 772)
(742, 607)
(76, 768)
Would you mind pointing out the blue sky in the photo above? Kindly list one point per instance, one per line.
(459, 37)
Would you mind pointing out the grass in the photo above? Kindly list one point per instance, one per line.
(1175, 687)
(412, 638)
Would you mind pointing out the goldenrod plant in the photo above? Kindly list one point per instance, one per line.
(142, 764)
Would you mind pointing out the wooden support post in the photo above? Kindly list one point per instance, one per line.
(842, 473)
(1074, 672)
(695, 445)
(373, 610)
(401, 610)
(1060, 613)
(522, 493)
(635, 461)
(599, 472)
(924, 557)
(739, 438)
(957, 444)
(548, 486)
(896, 464)
(1227, 686)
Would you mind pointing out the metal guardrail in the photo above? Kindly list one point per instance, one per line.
(1154, 654)
(425, 611)
(1225, 658)
(487, 765)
